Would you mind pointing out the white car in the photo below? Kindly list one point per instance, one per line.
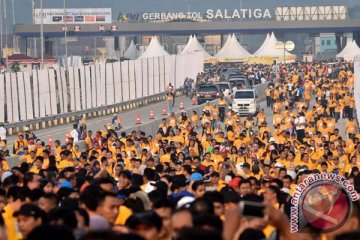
(245, 101)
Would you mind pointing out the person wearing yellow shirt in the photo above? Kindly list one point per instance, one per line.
(269, 93)
(37, 165)
(241, 140)
(261, 117)
(220, 137)
(351, 106)
(249, 123)
(89, 141)
(323, 129)
(14, 205)
(166, 157)
(216, 156)
(194, 119)
(222, 103)
(208, 162)
(277, 118)
(67, 161)
(353, 163)
(277, 106)
(336, 165)
(263, 128)
(351, 128)
(347, 98)
(20, 143)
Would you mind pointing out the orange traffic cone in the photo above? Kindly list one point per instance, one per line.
(181, 105)
(193, 101)
(164, 111)
(138, 121)
(67, 137)
(152, 115)
(51, 144)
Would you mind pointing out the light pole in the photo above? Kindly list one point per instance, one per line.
(6, 33)
(65, 34)
(1, 31)
(42, 34)
(13, 18)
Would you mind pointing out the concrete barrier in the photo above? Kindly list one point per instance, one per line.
(65, 118)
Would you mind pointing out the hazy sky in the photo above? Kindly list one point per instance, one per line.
(23, 7)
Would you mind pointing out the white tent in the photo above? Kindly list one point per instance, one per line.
(132, 52)
(154, 50)
(350, 51)
(263, 45)
(193, 45)
(268, 49)
(233, 50)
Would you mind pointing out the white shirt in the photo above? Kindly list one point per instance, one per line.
(75, 135)
(3, 132)
(301, 121)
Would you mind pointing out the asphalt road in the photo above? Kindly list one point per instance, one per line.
(128, 120)
(127, 117)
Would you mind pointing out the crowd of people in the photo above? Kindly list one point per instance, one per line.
(190, 178)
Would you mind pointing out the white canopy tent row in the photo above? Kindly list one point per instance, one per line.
(350, 51)
(233, 51)
(269, 49)
(154, 50)
(132, 52)
(193, 45)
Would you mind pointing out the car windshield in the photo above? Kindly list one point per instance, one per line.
(207, 89)
(224, 86)
(244, 94)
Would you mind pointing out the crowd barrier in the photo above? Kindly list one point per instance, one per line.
(152, 126)
(56, 96)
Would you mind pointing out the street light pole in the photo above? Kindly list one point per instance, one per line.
(65, 34)
(1, 32)
(13, 18)
(42, 35)
(6, 37)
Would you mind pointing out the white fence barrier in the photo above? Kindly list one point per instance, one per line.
(56, 91)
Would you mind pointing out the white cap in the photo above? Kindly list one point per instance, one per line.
(184, 201)
(272, 139)
(291, 173)
(279, 165)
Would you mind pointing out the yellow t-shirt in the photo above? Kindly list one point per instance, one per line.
(124, 214)
(10, 223)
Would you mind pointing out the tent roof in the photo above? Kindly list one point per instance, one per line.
(232, 49)
(154, 50)
(268, 49)
(263, 45)
(193, 45)
(132, 52)
(350, 50)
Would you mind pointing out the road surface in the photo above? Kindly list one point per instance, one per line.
(128, 120)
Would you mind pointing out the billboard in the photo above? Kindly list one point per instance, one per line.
(311, 13)
(73, 15)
